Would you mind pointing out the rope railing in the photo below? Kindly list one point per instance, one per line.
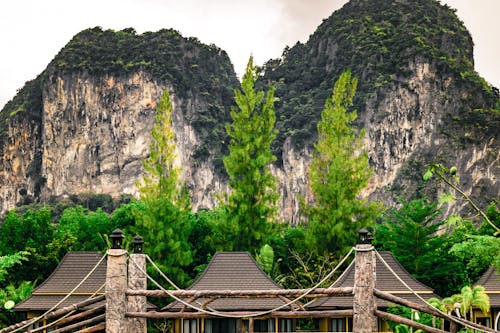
(93, 319)
(457, 320)
(55, 314)
(23, 325)
(224, 314)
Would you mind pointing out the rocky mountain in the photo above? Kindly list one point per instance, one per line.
(84, 124)
(419, 98)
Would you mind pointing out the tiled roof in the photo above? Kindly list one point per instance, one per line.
(41, 303)
(491, 282)
(233, 271)
(72, 269)
(385, 281)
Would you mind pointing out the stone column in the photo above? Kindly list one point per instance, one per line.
(364, 319)
(116, 285)
(137, 280)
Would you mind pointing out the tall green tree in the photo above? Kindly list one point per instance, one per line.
(339, 171)
(161, 179)
(165, 221)
(252, 203)
(408, 232)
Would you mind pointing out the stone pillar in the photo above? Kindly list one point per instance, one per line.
(137, 280)
(116, 285)
(364, 319)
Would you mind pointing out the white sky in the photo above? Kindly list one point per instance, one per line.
(33, 31)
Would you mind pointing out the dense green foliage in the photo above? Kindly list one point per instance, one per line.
(13, 292)
(252, 202)
(445, 261)
(32, 245)
(378, 40)
(339, 171)
(408, 231)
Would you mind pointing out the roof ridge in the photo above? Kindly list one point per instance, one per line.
(210, 263)
(59, 265)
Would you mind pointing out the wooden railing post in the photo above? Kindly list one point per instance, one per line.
(116, 285)
(137, 280)
(364, 319)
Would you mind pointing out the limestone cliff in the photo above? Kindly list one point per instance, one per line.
(84, 124)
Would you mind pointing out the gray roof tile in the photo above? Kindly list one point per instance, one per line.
(490, 280)
(72, 269)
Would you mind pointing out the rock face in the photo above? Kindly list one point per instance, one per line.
(96, 132)
(20, 161)
(421, 125)
(79, 129)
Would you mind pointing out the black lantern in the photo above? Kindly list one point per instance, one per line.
(116, 239)
(137, 242)
(365, 237)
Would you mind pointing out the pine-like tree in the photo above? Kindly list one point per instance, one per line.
(339, 171)
(252, 203)
(165, 221)
(161, 179)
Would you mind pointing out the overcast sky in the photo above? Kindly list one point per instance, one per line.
(33, 31)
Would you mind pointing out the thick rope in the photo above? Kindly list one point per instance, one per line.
(454, 319)
(161, 273)
(54, 323)
(258, 314)
(37, 319)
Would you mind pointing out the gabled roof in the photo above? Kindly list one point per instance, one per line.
(233, 271)
(72, 269)
(491, 283)
(385, 281)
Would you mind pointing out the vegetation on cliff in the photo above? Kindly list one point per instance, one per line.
(27, 103)
(377, 40)
(196, 70)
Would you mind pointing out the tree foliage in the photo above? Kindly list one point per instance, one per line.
(450, 177)
(339, 171)
(252, 202)
(161, 179)
(8, 261)
(84, 231)
(165, 221)
(408, 232)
